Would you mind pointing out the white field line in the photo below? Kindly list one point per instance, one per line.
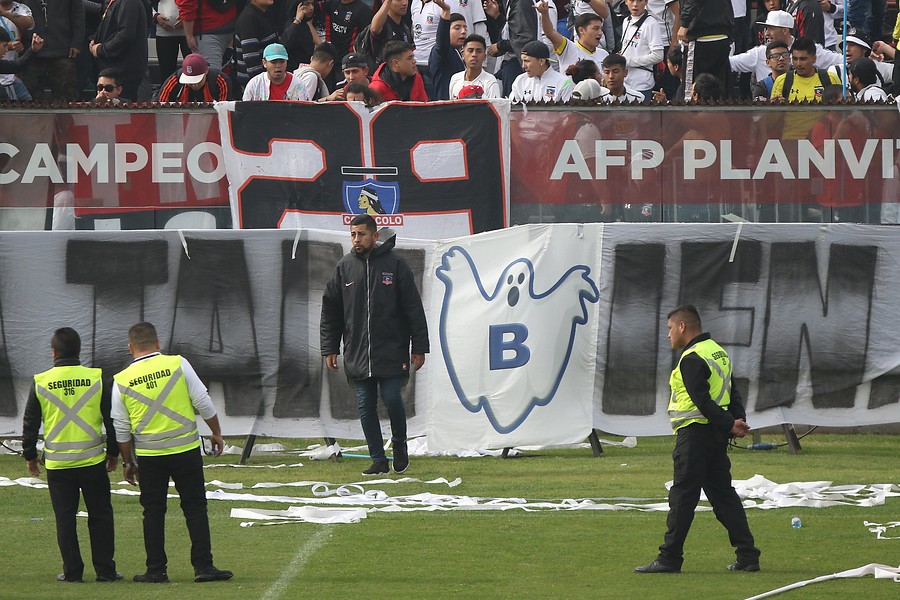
(277, 589)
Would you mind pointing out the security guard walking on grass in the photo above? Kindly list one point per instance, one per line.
(74, 406)
(705, 410)
(153, 403)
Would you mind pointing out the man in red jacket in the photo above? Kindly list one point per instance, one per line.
(397, 78)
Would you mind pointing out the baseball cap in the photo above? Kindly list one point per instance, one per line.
(860, 39)
(275, 52)
(778, 18)
(354, 60)
(472, 92)
(536, 49)
(193, 68)
(588, 89)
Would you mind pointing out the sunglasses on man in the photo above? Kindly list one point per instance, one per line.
(108, 88)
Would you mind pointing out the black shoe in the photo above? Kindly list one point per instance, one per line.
(742, 566)
(378, 467)
(657, 567)
(212, 574)
(401, 458)
(149, 577)
(62, 578)
(113, 577)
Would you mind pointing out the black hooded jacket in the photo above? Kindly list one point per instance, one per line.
(374, 306)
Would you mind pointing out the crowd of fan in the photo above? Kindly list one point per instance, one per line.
(415, 50)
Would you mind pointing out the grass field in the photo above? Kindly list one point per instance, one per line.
(487, 554)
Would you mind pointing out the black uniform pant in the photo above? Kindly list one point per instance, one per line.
(701, 461)
(93, 483)
(186, 470)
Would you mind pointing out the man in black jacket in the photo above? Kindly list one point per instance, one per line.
(121, 42)
(373, 304)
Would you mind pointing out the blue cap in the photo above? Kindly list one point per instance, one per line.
(275, 52)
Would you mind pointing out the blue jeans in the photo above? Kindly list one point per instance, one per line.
(366, 397)
(867, 16)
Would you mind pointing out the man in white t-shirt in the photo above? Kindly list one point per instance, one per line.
(539, 82)
(642, 47)
(473, 55)
(589, 34)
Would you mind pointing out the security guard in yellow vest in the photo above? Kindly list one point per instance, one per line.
(153, 404)
(74, 406)
(705, 410)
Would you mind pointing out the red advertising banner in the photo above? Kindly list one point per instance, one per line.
(106, 162)
(840, 156)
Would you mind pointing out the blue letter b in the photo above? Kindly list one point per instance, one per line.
(501, 345)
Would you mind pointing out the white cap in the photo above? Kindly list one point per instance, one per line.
(589, 89)
(778, 18)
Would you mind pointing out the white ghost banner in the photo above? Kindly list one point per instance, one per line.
(516, 328)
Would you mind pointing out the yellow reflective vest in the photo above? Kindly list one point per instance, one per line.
(682, 410)
(159, 407)
(70, 407)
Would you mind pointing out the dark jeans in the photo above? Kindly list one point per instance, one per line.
(366, 398)
(701, 461)
(93, 483)
(186, 470)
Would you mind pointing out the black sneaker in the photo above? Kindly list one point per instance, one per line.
(657, 567)
(737, 565)
(401, 458)
(62, 579)
(378, 467)
(111, 577)
(149, 577)
(212, 574)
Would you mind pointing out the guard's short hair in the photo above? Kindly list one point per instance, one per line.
(66, 342)
(394, 49)
(366, 220)
(142, 336)
(804, 44)
(687, 313)
(474, 37)
(614, 59)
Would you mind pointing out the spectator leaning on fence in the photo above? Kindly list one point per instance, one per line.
(539, 82)
(864, 81)
(195, 81)
(276, 82)
(614, 72)
(397, 78)
(805, 82)
(311, 77)
(474, 54)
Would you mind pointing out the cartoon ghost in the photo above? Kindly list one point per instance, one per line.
(507, 347)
